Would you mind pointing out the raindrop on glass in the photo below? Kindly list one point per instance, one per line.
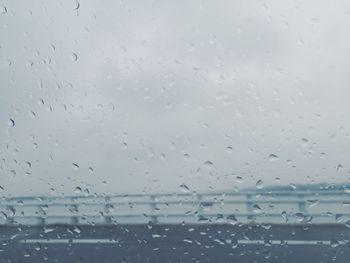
(11, 123)
(229, 149)
(339, 168)
(77, 190)
(75, 166)
(209, 164)
(257, 209)
(3, 10)
(273, 157)
(184, 188)
(259, 184)
(32, 114)
(74, 57)
(77, 5)
(186, 156)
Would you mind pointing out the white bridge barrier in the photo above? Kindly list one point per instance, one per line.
(244, 207)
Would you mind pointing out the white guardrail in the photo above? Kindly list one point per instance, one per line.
(245, 207)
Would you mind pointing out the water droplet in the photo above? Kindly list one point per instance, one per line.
(346, 204)
(86, 192)
(239, 179)
(273, 157)
(186, 156)
(91, 170)
(77, 190)
(48, 229)
(77, 5)
(266, 226)
(41, 102)
(229, 149)
(162, 156)
(77, 230)
(335, 243)
(74, 57)
(259, 184)
(3, 10)
(188, 240)
(257, 209)
(110, 107)
(32, 114)
(347, 224)
(300, 217)
(44, 207)
(75, 166)
(11, 123)
(293, 186)
(339, 168)
(312, 202)
(184, 188)
(209, 164)
(284, 216)
(304, 142)
(219, 218)
(231, 219)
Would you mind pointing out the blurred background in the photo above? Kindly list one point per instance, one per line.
(160, 96)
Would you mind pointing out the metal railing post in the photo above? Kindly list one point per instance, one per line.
(302, 207)
(107, 217)
(74, 209)
(200, 206)
(153, 209)
(42, 214)
(249, 206)
(301, 204)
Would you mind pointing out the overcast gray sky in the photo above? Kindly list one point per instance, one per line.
(144, 96)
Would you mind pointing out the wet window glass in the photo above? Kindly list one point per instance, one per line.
(174, 131)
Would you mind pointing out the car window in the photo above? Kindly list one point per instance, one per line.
(174, 131)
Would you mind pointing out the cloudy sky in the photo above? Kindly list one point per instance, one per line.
(145, 96)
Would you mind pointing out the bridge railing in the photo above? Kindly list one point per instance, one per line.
(246, 207)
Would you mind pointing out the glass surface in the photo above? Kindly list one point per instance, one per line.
(186, 124)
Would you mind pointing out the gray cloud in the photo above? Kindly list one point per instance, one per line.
(146, 94)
